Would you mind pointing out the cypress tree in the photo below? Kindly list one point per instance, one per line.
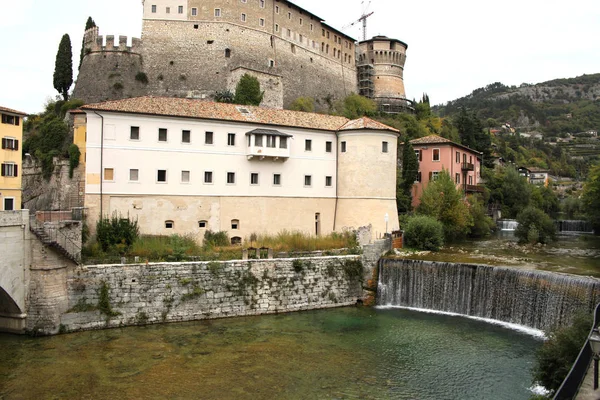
(247, 91)
(410, 169)
(63, 68)
(88, 25)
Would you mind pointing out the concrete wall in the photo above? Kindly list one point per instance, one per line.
(156, 293)
(14, 261)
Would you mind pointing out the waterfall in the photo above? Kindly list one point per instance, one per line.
(574, 226)
(536, 299)
(507, 224)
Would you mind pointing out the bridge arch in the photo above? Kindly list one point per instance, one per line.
(8, 305)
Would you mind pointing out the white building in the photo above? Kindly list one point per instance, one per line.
(185, 166)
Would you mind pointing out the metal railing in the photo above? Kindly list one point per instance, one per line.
(570, 386)
(51, 235)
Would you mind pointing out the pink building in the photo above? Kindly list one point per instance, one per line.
(435, 154)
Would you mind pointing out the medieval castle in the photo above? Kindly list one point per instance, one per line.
(196, 48)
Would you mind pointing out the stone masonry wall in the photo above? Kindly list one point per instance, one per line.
(117, 295)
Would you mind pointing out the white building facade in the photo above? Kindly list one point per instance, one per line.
(186, 166)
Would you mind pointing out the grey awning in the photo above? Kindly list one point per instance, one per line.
(271, 132)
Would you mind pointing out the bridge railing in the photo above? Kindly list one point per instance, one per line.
(570, 386)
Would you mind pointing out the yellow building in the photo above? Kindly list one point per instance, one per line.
(11, 133)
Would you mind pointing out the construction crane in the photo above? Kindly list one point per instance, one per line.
(362, 19)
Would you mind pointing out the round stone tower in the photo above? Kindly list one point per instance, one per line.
(367, 162)
(380, 69)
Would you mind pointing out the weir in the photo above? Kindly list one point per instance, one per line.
(507, 225)
(537, 299)
(574, 226)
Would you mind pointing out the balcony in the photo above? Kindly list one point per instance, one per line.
(473, 188)
(268, 144)
(468, 166)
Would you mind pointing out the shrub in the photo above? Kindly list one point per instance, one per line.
(534, 227)
(556, 356)
(215, 239)
(424, 232)
(74, 155)
(141, 77)
(306, 104)
(224, 96)
(116, 233)
(482, 224)
(247, 91)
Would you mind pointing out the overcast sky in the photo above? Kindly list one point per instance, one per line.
(453, 46)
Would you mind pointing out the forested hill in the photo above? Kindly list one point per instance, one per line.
(554, 108)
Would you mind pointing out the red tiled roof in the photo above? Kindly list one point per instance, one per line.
(10, 110)
(435, 139)
(366, 123)
(202, 109)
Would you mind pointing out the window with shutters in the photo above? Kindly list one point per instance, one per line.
(458, 157)
(433, 175)
(419, 155)
(457, 178)
(418, 177)
(10, 169)
(10, 143)
(436, 154)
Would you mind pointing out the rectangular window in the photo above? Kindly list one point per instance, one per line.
(109, 174)
(276, 179)
(254, 178)
(343, 147)
(185, 176)
(328, 181)
(308, 145)
(208, 138)
(231, 178)
(458, 157)
(470, 180)
(328, 147)
(307, 180)
(261, 22)
(262, 3)
(208, 177)
(384, 147)
(10, 144)
(162, 135)
(217, 12)
(289, 15)
(243, 17)
(202, 224)
(134, 175)
(258, 140)
(161, 175)
(180, 10)
(457, 179)
(194, 11)
(289, 33)
(277, 9)
(434, 175)
(419, 155)
(153, 8)
(271, 141)
(283, 142)
(276, 27)
(231, 139)
(9, 204)
(168, 10)
(436, 154)
(186, 136)
(293, 46)
(134, 133)
(10, 119)
(418, 177)
(312, 27)
(10, 169)
(301, 39)
(301, 21)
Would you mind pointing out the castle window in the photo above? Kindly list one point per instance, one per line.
(283, 142)
(262, 3)
(231, 139)
(162, 135)
(271, 63)
(289, 15)
(384, 147)
(243, 17)
(301, 39)
(328, 181)
(134, 175)
(186, 136)
(254, 178)
(161, 175)
(293, 48)
(235, 224)
(307, 180)
(276, 179)
(277, 9)
(109, 173)
(202, 224)
(328, 147)
(343, 147)
(134, 133)
(208, 138)
(436, 154)
(300, 21)
(327, 48)
(217, 12)
(323, 32)
(289, 33)
(168, 10)
(153, 8)
(208, 177)
(12, 169)
(169, 224)
(231, 178)
(180, 10)
(312, 27)
(194, 11)
(195, 26)
(322, 46)
(349, 59)
(327, 34)
(308, 145)
(261, 22)
(185, 176)
(10, 144)
(276, 27)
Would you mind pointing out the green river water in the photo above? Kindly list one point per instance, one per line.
(347, 353)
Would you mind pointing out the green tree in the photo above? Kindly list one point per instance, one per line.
(407, 177)
(88, 25)
(473, 135)
(443, 201)
(247, 91)
(535, 226)
(424, 233)
(306, 104)
(509, 189)
(63, 68)
(423, 109)
(482, 224)
(591, 197)
(355, 106)
(544, 198)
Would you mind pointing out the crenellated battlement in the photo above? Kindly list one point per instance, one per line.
(94, 43)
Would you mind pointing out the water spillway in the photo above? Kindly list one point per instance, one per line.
(536, 299)
(507, 225)
(574, 226)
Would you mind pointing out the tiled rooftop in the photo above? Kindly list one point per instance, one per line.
(10, 110)
(435, 139)
(202, 109)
